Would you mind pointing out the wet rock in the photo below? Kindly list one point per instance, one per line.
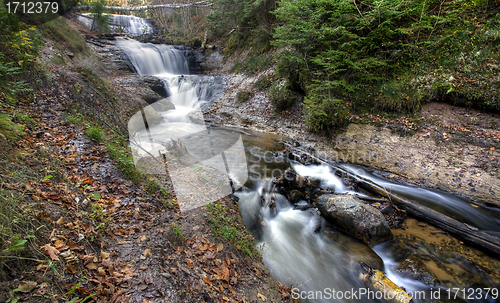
(352, 216)
(147, 115)
(296, 196)
(155, 84)
(163, 105)
(414, 268)
(357, 251)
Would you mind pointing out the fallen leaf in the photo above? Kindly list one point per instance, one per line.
(492, 148)
(189, 263)
(71, 269)
(147, 253)
(225, 274)
(206, 281)
(51, 251)
(104, 255)
(220, 247)
(59, 244)
(60, 221)
(101, 272)
(262, 297)
(196, 227)
(26, 286)
(91, 265)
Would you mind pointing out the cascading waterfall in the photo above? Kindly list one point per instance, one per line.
(132, 25)
(298, 247)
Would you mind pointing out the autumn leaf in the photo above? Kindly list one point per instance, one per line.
(206, 281)
(71, 269)
(189, 263)
(220, 247)
(262, 297)
(60, 221)
(51, 251)
(225, 274)
(59, 244)
(104, 255)
(26, 286)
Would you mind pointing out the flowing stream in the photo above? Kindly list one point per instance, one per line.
(298, 247)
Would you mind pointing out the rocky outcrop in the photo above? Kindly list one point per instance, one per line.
(146, 115)
(352, 216)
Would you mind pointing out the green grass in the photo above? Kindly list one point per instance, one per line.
(8, 129)
(264, 82)
(119, 152)
(59, 30)
(228, 230)
(77, 119)
(96, 133)
(177, 232)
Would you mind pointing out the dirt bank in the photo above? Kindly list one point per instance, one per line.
(110, 234)
(445, 147)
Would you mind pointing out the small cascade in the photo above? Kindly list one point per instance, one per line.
(323, 173)
(132, 25)
(153, 59)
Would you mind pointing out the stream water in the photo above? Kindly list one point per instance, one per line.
(300, 247)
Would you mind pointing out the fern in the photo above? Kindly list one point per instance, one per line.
(8, 129)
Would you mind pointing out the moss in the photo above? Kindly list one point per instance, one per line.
(65, 36)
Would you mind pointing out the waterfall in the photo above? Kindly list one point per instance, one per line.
(153, 59)
(211, 164)
(132, 25)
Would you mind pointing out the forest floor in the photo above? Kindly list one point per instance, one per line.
(97, 231)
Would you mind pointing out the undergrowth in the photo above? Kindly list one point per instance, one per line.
(227, 229)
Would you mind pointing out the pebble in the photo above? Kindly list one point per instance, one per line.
(166, 275)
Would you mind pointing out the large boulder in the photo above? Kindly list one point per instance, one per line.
(349, 214)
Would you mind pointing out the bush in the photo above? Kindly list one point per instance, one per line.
(325, 114)
(281, 95)
(243, 96)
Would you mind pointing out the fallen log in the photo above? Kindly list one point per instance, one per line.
(456, 228)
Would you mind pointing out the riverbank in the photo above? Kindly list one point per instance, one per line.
(447, 147)
(98, 228)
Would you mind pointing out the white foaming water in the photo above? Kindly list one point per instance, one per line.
(135, 26)
(292, 249)
(153, 59)
(323, 173)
